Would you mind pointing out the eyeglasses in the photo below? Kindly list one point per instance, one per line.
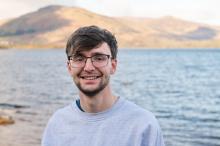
(98, 60)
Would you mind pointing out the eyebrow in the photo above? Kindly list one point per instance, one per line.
(97, 53)
(92, 54)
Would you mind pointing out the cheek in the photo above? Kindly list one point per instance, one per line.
(110, 71)
(74, 72)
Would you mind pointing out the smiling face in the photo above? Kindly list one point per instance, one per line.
(89, 79)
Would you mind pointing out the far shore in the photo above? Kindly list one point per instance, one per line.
(120, 48)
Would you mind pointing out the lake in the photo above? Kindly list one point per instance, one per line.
(181, 87)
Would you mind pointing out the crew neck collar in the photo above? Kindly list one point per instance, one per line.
(99, 115)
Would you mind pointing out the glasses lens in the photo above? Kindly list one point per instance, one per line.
(78, 61)
(100, 60)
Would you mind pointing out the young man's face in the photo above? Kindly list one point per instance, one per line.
(91, 79)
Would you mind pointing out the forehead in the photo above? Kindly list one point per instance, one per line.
(101, 49)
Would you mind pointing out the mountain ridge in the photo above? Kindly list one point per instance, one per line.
(49, 27)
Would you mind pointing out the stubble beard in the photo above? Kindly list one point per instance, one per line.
(92, 93)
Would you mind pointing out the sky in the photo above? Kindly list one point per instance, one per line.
(203, 11)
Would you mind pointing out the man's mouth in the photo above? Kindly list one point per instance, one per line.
(90, 77)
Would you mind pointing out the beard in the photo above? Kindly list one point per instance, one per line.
(93, 92)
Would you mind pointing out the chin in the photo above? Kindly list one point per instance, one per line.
(90, 93)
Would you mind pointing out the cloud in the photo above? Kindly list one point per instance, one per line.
(14, 8)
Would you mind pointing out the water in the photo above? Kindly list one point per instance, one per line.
(181, 87)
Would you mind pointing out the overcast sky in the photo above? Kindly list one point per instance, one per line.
(204, 11)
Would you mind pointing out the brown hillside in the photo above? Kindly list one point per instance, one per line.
(51, 26)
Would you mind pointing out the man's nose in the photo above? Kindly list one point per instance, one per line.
(88, 65)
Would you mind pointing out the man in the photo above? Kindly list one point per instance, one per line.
(97, 117)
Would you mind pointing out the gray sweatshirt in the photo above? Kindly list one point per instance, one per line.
(124, 124)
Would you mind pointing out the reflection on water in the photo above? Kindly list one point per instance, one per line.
(181, 87)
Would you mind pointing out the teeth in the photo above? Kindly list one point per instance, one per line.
(90, 78)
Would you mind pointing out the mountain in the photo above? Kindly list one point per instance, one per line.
(49, 27)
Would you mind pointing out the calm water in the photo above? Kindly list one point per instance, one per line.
(181, 87)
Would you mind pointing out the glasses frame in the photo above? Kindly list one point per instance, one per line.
(86, 58)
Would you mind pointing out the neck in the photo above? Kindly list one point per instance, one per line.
(98, 103)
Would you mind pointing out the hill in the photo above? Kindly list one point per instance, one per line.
(49, 27)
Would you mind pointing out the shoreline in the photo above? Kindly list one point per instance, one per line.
(120, 48)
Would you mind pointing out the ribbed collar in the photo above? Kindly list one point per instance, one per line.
(92, 117)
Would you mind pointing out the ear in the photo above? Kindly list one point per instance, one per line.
(68, 66)
(114, 66)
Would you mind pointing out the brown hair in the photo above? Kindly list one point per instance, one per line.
(89, 37)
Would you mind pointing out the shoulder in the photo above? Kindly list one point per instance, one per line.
(139, 119)
(61, 114)
(139, 114)
(63, 110)
(136, 109)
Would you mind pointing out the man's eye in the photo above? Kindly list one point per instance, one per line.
(99, 58)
